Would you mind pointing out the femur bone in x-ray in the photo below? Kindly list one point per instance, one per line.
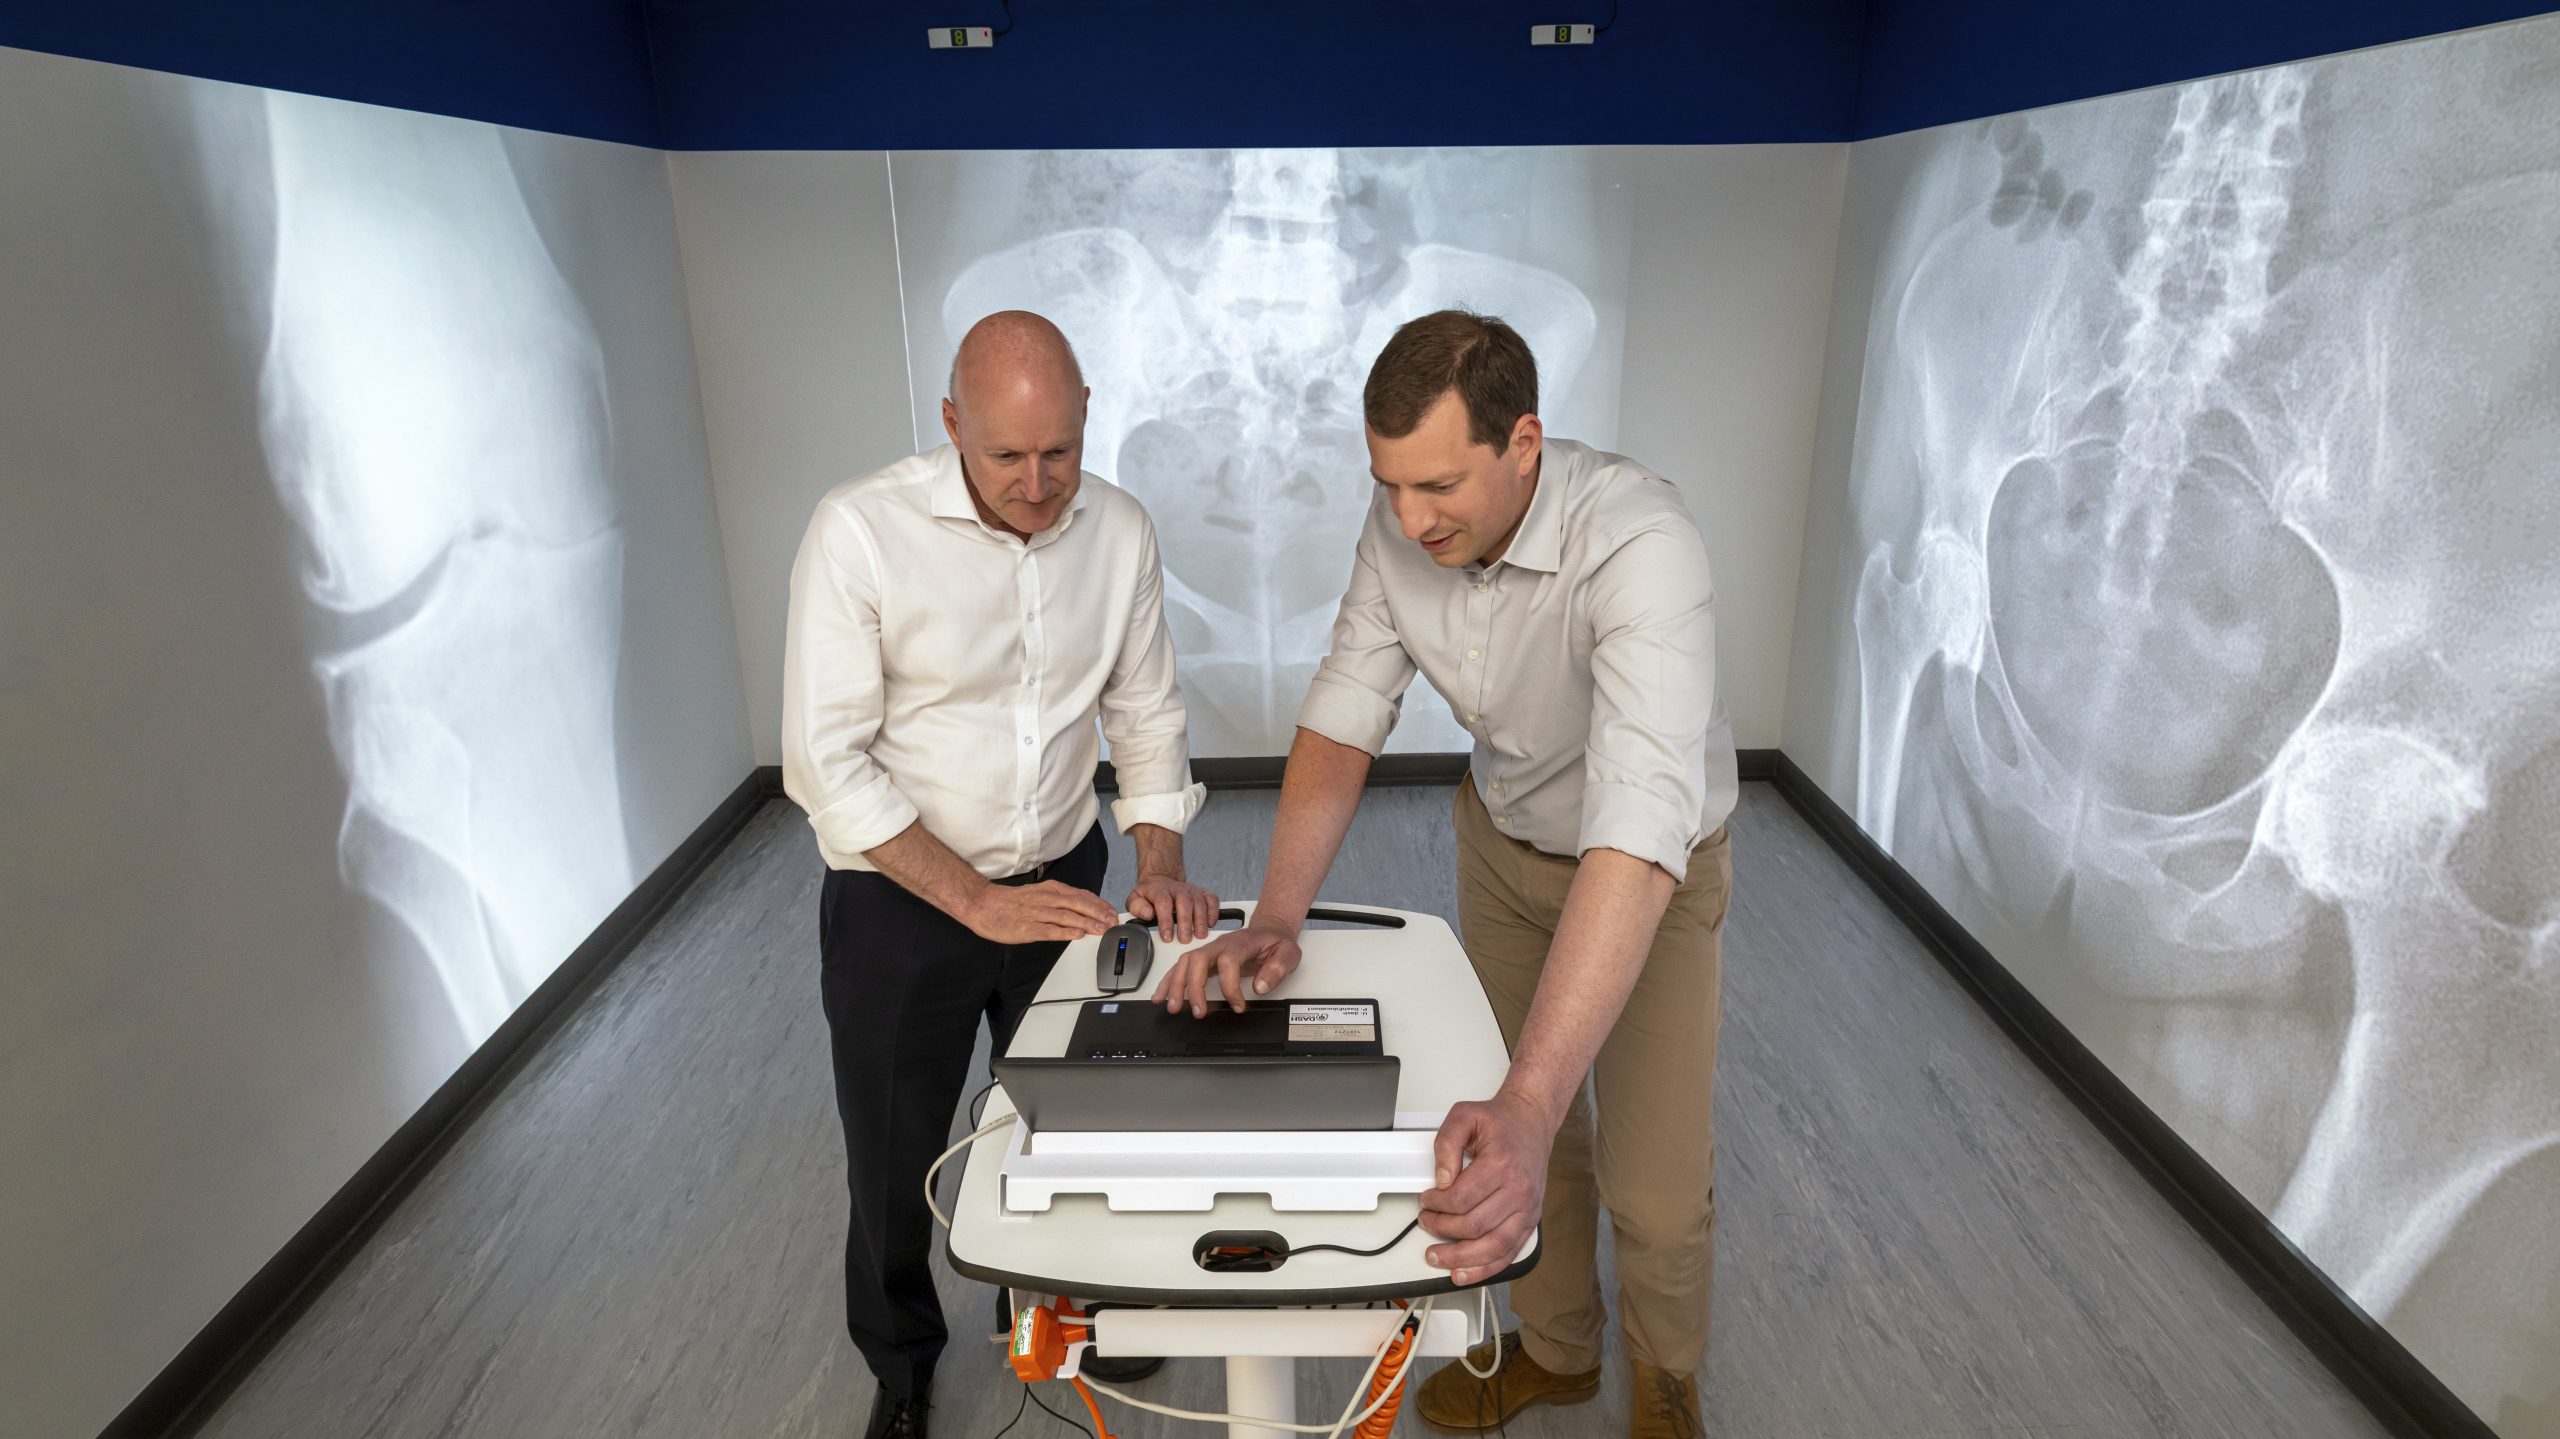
(434, 418)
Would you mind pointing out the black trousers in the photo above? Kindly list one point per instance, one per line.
(904, 986)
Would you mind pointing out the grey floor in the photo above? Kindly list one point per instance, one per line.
(1918, 1236)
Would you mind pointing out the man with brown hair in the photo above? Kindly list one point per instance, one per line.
(1559, 599)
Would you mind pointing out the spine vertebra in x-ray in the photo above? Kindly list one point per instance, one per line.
(2206, 626)
(434, 419)
(1227, 348)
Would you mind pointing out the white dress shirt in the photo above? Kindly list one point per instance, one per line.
(939, 669)
(1583, 661)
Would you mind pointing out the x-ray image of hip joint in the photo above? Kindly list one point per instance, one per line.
(1226, 306)
(433, 413)
(2209, 628)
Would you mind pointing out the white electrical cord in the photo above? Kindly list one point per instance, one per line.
(981, 1132)
(1484, 1308)
(1421, 1316)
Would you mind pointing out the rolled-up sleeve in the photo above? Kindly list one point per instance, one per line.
(1653, 670)
(1143, 715)
(1359, 688)
(832, 692)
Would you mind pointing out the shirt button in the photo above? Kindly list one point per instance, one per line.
(1474, 719)
(1497, 786)
(1471, 654)
(1026, 739)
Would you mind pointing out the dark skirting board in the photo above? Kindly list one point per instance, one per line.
(230, 1343)
(2399, 1390)
(1263, 772)
(2402, 1392)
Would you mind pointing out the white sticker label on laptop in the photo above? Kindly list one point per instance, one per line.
(1335, 1022)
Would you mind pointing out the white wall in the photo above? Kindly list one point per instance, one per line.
(241, 953)
(1729, 296)
(1690, 282)
(258, 596)
(791, 272)
(362, 637)
(2178, 607)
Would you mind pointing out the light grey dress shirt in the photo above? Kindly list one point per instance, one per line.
(938, 669)
(1583, 662)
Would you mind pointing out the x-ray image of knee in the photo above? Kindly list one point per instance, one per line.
(1226, 306)
(2209, 627)
(433, 412)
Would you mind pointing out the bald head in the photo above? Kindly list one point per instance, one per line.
(1015, 412)
(1009, 351)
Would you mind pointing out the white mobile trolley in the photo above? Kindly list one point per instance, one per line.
(1116, 1220)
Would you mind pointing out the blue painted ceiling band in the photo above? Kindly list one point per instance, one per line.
(838, 74)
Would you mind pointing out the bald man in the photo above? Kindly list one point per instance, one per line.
(958, 623)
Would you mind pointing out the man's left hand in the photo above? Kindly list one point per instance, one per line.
(1180, 910)
(1491, 1176)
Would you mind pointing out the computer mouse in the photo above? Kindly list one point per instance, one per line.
(1122, 957)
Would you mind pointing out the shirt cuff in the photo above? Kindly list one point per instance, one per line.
(1639, 822)
(865, 819)
(1173, 811)
(1348, 713)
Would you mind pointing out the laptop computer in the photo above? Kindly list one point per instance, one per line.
(1282, 1064)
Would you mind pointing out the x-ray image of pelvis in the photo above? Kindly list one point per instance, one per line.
(432, 406)
(1226, 306)
(2208, 637)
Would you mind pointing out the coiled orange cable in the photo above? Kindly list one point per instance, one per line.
(1382, 1423)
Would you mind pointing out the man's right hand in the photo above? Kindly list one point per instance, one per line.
(1266, 954)
(1031, 913)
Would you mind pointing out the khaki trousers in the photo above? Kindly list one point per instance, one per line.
(1653, 1086)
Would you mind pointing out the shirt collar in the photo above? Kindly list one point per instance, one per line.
(951, 487)
(1539, 542)
(951, 499)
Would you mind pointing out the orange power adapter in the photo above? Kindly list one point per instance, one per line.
(1040, 1340)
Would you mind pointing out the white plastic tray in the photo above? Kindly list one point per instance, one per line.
(1300, 1171)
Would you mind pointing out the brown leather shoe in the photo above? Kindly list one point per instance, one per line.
(1663, 1405)
(1457, 1402)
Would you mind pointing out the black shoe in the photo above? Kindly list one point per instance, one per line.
(896, 1418)
(1118, 1370)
